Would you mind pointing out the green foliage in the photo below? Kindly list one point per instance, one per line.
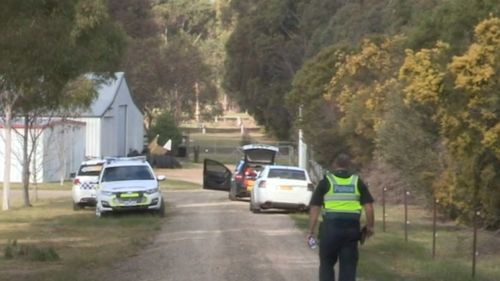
(170, 56)
(46, 44)
(166, 127)
(350, 22)
(407, 140)
(451, 22)
(264, 51)
(463, 93)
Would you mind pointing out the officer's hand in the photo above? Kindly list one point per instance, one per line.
(308, 236)
(370, 231)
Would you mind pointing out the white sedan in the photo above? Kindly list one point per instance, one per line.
(281, 187)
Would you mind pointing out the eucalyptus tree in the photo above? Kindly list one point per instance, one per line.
(264, 51)
(189, 29)
(44, 45)
(165, 61)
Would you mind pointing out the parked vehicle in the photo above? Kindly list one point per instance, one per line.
(217, 176)
(281, 187)
(84, 183)
(129, 183)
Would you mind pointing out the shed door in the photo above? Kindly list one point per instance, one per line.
(121, 136)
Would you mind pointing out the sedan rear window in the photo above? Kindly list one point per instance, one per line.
(125, 173)
(287, 174)
(90, 170)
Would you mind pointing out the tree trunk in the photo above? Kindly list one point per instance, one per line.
(7, 159)
(26, 163)
(35, 179)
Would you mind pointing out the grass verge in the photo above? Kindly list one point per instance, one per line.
(388, 257)
(82, 243)
(170, 184)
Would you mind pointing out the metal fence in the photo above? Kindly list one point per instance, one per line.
(488, 237)
(230, 154)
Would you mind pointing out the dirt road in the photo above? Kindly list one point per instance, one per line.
(210, 238)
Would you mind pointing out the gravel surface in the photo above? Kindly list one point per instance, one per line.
(207, 237)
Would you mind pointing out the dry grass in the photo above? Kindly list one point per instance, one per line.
(388, 257)
(83, 242)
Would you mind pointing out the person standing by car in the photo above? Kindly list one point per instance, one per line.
(340, 196)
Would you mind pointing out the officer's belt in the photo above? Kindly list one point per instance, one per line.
(339, 215)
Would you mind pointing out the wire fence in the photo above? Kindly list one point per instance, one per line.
(230, 154)
(476, 238)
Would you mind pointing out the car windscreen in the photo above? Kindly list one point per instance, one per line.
(287, 174)
(90, 170)
(125, 173)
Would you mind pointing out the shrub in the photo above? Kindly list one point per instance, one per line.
(14, 250)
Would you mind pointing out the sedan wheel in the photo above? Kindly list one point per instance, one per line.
(254, 209)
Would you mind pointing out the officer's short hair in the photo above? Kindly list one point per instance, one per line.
(343, 160)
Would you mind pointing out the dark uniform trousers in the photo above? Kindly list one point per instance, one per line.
(338, 241)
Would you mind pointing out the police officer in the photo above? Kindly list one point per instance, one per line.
(340, 196)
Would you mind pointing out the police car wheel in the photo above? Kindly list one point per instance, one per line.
(77, 206)
(100, 214)
(161, 210)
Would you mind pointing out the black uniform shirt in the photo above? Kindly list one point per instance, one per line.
(323, 187)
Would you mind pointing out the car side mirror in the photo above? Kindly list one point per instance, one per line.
(72, 175)
(161, 178)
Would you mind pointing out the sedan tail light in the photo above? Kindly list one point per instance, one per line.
(262, 184)
(238, 178)
(310, 187)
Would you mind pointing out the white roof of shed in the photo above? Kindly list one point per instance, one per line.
(41, 123)
(106, 93)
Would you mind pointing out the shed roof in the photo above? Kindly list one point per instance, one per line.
(106, 93)
(42, 123)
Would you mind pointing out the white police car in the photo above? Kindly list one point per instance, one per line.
(129, 183)
(84, 183)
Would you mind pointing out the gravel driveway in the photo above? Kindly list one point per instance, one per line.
(210, 238)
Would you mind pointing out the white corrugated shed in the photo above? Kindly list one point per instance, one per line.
(114, 122)
(59, 150)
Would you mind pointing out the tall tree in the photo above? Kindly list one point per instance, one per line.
(320, 121)
(359, 90)
(464, 93)
(163, 62)
(190, 26)
(264, 51)
(44, 46)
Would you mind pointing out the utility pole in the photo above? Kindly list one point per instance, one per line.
(302, 145)
(197, 108)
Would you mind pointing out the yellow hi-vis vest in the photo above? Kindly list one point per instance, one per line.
(342, 199)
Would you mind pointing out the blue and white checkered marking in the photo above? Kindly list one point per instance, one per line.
(87, 186)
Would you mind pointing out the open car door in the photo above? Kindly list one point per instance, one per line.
(216, 176)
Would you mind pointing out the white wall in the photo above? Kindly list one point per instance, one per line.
(63, 151)
(16, 156)
(53, 146)
(108, 137)
(135, 119)
(93, 136)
